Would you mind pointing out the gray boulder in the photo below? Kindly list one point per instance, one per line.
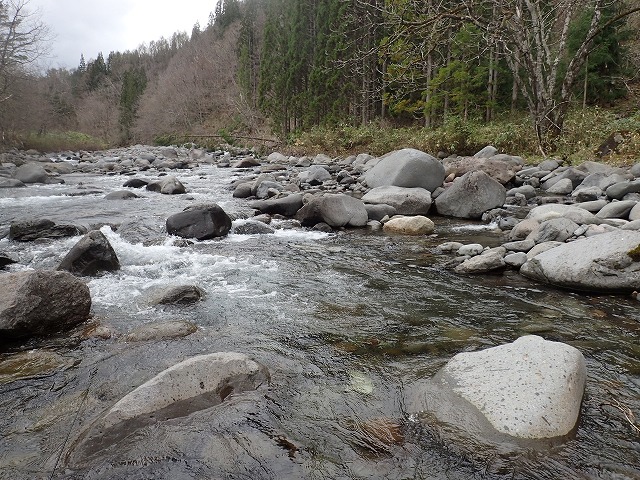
(604, 263)
(554, 230)
(486, 152)
(576, 177)
(618, 190)
(252, 227)
(31, 173)
(561, 187)
(287, 206)
(121, 195)
(135, 183)
(29, 230)
(10, 183)
(379, 211)
(531, 388)
(555, 210)
(619, 209)
(243, 190)
(501, 170)
(36, 303)
(406, 201)
(488, 261)
(266, 187)
(406, 168)
(470, 196)
(336, 210)
(91, 255)
(314, 175)
(201, 222)
(167, 185)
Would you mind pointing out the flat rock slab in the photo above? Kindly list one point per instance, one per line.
(603, 263)
(531, 388)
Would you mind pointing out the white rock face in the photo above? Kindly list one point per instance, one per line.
(194, 384)
(531, 388)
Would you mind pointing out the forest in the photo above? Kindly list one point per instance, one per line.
(304, 72)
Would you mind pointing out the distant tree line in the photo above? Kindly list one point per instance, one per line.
(293, 64)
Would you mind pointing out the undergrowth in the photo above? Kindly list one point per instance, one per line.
(58, 141)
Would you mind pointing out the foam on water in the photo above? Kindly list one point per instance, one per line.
(475, 228)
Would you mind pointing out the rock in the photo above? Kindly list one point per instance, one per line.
(576, 177)
(470, 196)
(177, 295)
(471, 249)
(561, 187)
(522, 230)
(161, 331)
(619, 209)
(6, 259)
(555, 210)
(587, 194)
(634, 213)
(32, 363)
(486, 262)
(31, 173)
(604, 263)
(287, 206)
(201, 222)
(527, 190)
(266, 187)
(549, 164)
(519, 246)
(336, 210)
(192, 385)
(29, 230)
(531, 388)
(501, 171)
(247, 162)
(542, 247)
(406, 168)
(379, 211)
(11, 183)
(168, 185)
(277, 157)
(406, 201)
(121, 195)
(91, 255)
(314, 175)
(415, 225)
(243, 190)
(593, 206)
(618, 190)
(448, 247)
(135, 183)
(515, 260)
(252, 227)
(486, 152)
(41, 302)
(554, 230)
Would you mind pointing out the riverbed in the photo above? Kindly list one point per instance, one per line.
(345, 322)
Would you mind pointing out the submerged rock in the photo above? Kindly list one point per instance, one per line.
(178, 295)
(161, 331)
(531, 388)
(41, 302)
(91, 255)
(33, 363)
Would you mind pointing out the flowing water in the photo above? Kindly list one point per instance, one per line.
(346, 323)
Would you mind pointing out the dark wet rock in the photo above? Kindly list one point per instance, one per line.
(604, 263)
(247, 162)
(406, 168)
(252, 227)
(287, 206)
(406, 201)
(36, 303)
(135, 183)
(121, 195)
(30, 364)
(168, 186)
(336, 210)
(201, 222)
(413, 225)
(161, 331)
(92, 255)
(243, 190)
(6, 259)
(470, 196)
(29, 230)
(379, 211)
(178, 295)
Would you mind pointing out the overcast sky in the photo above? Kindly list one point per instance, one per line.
(91, 26)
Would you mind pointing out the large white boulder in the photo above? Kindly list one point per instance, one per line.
(531, 388)
(406, 168)
(604, 263)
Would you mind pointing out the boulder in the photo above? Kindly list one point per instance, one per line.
(29, 230)
(201, 222)
(266, 187)
(91, 255)
(470, 196)
(488, 261)
(167, 185)
(406, 201)
(121, 195)
(31, 173)
(252, 227)
(554, 230)
(531, 388)
(618, 190)
(486, 152)
(135, 183)
(414, 225)
(515, 260)
(406, 168)
(561, 187)
(499, 170)
(247, 162)
(243, 190)
(527, 190)
(336, 210)
(619, 209)
(41, 302)
(10, 183)
(177, 295)
(314, 175)
(379, 211)
(604, 263)
(287, 206)
(576, 177)
(555, 210)
(6, 259)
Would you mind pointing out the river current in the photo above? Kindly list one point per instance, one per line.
(346, 323)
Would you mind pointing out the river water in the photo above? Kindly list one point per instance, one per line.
(346, 323)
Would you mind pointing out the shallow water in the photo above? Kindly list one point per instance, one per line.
(346, 323)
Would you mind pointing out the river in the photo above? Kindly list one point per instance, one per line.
(346, 323)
